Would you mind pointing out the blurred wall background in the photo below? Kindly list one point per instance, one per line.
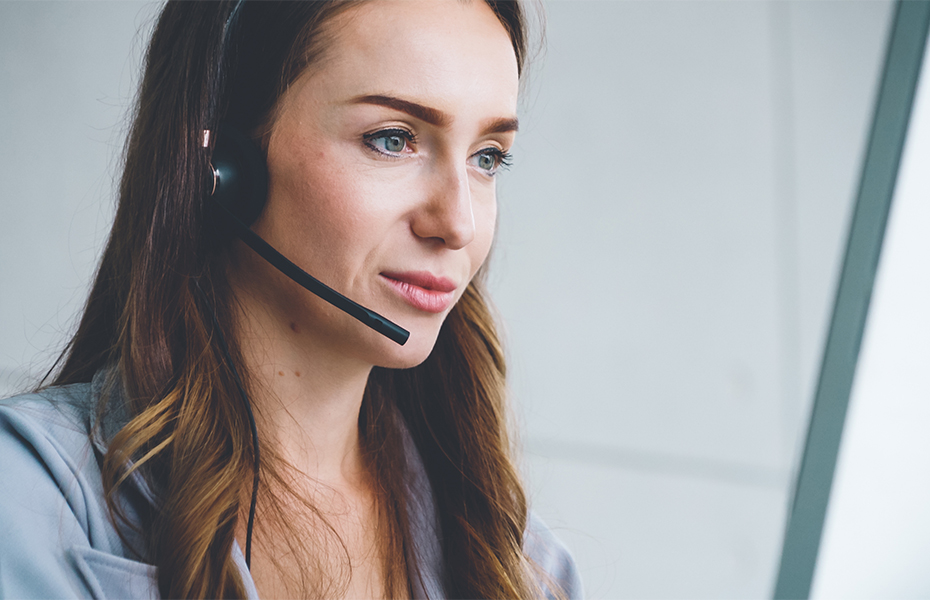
(668, 247)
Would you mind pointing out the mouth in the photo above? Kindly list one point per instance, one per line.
(422, 290)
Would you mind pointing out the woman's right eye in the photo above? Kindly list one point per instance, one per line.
(390, 141)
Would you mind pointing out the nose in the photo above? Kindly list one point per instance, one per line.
(446, 214)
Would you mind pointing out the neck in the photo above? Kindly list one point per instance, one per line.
(306, 397)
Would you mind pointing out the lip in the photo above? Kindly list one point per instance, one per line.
(422, 290)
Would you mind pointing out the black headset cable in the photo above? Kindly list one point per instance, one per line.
(248, 409)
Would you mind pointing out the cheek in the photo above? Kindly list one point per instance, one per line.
(322, 191)
(316, 197)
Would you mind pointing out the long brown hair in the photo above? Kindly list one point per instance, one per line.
(189, 431)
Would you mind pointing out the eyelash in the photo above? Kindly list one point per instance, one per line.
(407, 136)
(503, 160)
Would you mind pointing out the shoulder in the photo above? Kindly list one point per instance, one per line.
(58, 415)
(45, 433)
(57, 537)
(552, 557)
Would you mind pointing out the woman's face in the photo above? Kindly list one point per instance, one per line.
(382, 159)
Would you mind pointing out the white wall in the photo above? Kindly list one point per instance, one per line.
(670, 238)
(665, 264)
(67, 77)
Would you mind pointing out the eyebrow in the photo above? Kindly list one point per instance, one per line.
(432, 115)
(503, 125)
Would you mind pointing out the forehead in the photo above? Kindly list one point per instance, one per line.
(442, 53)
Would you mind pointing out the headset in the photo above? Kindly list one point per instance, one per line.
(238, 188)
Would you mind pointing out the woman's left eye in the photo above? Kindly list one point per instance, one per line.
(491, 160)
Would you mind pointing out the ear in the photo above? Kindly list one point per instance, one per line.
(240, 176)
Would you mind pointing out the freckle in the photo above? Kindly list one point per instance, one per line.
(294, 328)
(281, 373)
(297, 373)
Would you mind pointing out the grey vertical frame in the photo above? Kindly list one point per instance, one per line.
(876, 188)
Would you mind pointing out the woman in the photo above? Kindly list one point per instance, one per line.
(371, 468)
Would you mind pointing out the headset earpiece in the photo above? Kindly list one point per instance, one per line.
(240, 177)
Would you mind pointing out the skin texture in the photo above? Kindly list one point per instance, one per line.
(360, 186)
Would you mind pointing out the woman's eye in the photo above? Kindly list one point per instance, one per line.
(391, 141)
(487, 162)
(491, 160)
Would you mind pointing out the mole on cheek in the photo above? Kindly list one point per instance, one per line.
(281, 373)
(297, 373)
(294, 328)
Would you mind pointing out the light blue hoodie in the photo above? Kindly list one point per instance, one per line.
(56, 537)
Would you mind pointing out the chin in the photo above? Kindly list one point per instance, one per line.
(413, 353)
